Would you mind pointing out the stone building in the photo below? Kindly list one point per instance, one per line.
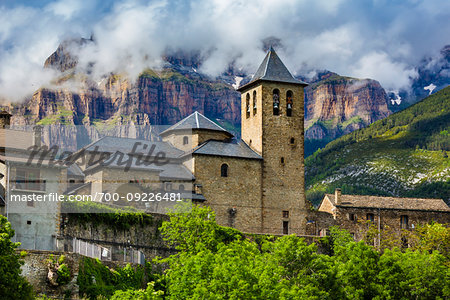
(27, 188)
(355, 212)
(255, 184)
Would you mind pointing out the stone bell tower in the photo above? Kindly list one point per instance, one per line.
(272, 125)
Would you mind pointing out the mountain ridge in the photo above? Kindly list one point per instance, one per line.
(404, 154)
(168, 95)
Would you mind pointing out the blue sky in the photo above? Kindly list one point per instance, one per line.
(378, 39)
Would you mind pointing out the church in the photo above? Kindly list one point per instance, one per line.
(255, 184)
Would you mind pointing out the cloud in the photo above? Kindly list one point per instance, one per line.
(392, 75)
(376, 39)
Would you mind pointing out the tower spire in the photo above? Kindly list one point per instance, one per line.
(272, 69)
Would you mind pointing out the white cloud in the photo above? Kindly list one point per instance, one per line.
(65, 8)
(368, 39)
(392, 75)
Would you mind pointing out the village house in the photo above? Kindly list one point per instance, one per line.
(355, 213)
(28, 186)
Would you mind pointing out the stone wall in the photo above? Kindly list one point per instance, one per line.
(354, 220)
(279, 139)
(236, 199)
(145, 238)
(35, 270)
(195, 138)
(319, 222)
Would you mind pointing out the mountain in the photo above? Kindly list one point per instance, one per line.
(404, 154)
(433, 74)
(334, 104)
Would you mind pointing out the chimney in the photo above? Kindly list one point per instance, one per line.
(5, 119)
(337, 196)
(37, 135)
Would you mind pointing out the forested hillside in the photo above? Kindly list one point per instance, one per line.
(404, 154)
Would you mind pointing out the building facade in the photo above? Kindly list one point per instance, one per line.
(356, 213)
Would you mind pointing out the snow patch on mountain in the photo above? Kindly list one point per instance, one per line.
(430, 88)
(397, 99)
(237, 81)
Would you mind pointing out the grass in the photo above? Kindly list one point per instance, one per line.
(63, 117)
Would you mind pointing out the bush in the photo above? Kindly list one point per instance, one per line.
(12, 284)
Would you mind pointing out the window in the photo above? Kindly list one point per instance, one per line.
(30, 203)
(28, 179)
(247, 105)
(185, 140)
(285, 214)
(370, 217)
(28, 222)
(282, 160)
(352, 217)
(404, 222)
(276, 102)
(292, 141)
(254, 102)
(285, 227)
(289, 103)
(181, 187)
(224, 170)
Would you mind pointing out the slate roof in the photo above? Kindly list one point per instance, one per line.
(125, 145)
(176, 172)
(72, 190)
(166, 171)
(229, 149)
(122, 161)
(74, 170)
(273, 69)
(195, 121)
(361, 201)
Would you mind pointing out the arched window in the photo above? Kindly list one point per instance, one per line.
(292, 141)
(247, 105)
(224, 170)
(276, 102)
(185, 140)
(289, 100)
(181, 187)
(254, 102)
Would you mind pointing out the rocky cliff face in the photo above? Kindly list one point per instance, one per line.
(337, 105)
(334, 105)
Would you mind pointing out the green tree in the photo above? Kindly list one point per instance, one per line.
(429, 237)
(193, 228)
(12, 284)
(413, 275)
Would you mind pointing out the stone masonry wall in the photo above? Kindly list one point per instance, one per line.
(385, 217)
(35, 271)
(236, 199)
(143, 238)
(195, 138)
(279, 139)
